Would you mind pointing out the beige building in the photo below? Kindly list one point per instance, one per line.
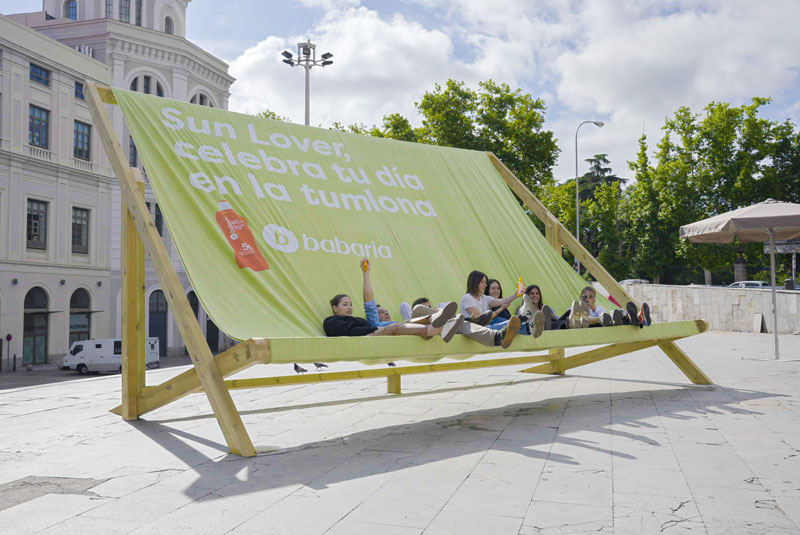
(60, 211)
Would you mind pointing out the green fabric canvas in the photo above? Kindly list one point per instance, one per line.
(315, 201)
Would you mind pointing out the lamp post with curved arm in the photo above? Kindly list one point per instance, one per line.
(307, 58)
(598, 124)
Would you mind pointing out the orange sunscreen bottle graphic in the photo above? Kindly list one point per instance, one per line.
(241, 238)
(520, 287)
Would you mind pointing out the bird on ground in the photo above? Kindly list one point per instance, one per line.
(320, 365)
(298, 369)
(391, 364)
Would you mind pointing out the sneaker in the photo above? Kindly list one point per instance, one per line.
(585, 322)
(440, 317)
(482, 319)
(549, 316)
(606, 320)
(644, 316)
(633, 314)
(527, 309)
(506, 336)
(451, 328)
(575, 314)
(536, 325)
(618, 317)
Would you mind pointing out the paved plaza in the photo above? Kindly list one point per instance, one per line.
(620, 446)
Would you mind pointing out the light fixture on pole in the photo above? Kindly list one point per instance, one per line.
(598, 124)
(307, 58)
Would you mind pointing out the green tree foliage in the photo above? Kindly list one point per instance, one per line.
(599, 173)
(269, 114)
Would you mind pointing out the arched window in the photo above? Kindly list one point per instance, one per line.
(147, 85)
(71, 9)
(169, 27)
(79, 314)
(201, 99)
(35, 327)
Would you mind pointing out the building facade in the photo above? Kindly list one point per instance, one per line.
(60, 206)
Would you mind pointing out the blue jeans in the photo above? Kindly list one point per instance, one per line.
(371, 313)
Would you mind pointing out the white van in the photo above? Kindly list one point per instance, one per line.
(104, 355)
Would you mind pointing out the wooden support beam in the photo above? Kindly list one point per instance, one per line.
(235, 359)
(685, 364)
(218, 396)
(594, 355)
(261, 382)
(133, 321)
(393, 384)
(557, 354)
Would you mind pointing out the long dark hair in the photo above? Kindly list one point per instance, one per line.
(474, 280)
(541, 297)
(337, 299)
(489, 285)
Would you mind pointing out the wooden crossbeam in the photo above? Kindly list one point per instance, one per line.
(261, 382)
(684, 363)
(593, 355)
(218, 396)
(235, 359)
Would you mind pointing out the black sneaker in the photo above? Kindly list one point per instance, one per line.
(618, 317)
(633, 314)
(483, 319)
(549, 316)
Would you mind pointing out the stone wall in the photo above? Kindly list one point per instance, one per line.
(725, 309)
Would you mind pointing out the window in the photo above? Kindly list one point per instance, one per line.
(146, 84)
(125, 10)
(37, 224)
(109, 9)
(80, 230)
(79, 323)
(202, 100)
(159, 90)
(40, 75)
(138, 12)
(135, 84)
(71, 9)
(38, 122)
(168, 26)
(83, 140)
(133, 156)
(79, 91)
(159, 220)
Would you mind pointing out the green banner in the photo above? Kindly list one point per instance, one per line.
(271, 218)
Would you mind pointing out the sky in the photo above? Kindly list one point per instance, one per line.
(628, 63)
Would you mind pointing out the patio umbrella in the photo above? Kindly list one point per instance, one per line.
(766, 221)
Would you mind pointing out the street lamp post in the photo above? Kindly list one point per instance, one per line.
(598, 124)
(307, 58)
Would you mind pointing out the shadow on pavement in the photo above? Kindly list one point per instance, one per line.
(526, 429)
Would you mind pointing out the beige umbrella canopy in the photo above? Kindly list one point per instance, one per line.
(766, 221)
(750, 224)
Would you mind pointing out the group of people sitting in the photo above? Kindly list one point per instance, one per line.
(484, 315)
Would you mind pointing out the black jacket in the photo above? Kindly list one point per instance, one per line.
(347, 326)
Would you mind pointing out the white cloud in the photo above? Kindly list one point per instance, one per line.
(629, 63)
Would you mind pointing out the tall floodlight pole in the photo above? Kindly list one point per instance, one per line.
(598, 124)
(307, 58)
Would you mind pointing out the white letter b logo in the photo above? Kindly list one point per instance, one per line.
(279, 238)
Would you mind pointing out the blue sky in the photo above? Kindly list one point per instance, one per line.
(629, 63)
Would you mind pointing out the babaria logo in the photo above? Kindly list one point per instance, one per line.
(280, 238)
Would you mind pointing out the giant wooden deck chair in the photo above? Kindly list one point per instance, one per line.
(270, 220)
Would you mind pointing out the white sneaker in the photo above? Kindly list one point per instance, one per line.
(536, 325)
(527, 309)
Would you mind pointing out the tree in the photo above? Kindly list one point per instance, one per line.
(269, 114)
(599, 173)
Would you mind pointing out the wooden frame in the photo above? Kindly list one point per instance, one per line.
(209, 372)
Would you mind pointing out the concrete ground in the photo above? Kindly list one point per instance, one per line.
(621, 446)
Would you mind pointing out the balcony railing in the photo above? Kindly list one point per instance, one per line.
(40, 153)
(84, 165)
(86, 50)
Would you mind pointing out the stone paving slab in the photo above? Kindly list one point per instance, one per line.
(620, 446)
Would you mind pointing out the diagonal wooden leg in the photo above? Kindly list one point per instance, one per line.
(685, 364)
(594, 355)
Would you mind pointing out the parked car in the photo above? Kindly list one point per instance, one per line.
(635, 281)
(105, 355)
(750, 284)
